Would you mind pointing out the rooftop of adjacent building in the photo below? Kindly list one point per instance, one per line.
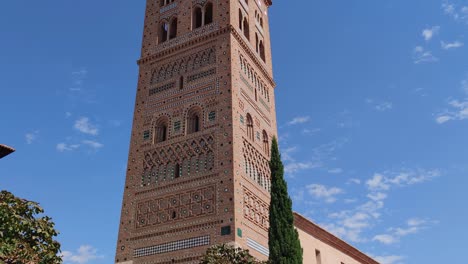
(5, 150)
(326, 237)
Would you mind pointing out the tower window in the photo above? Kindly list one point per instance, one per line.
(261, 48)
(241, 19)
(161, 130)
(181, 82)
(318, 257)
(245, 25)
(225, 230)
(266, 145)
(193, 120)
(208, 13)
(163, 32)
(197, 18)
(177, 170)
(250, 129)
(146, 135)
(173, 28)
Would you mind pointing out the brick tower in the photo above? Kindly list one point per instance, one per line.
(198, 171)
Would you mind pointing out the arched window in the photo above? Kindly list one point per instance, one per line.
(261, 22)
(266, 144)
(208, 13)
(250, 129)
(177, 171)
(181, 82)
(246, 28)
(262, 50)
(160, 128)
(241, 18)
(256, 42)
(173, 28)
(197, 17)
(193, 120)
(163, 32)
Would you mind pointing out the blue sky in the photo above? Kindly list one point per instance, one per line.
(372, 103)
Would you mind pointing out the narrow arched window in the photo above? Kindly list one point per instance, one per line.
(181, 82)
(250, 129)
(241, 18)
(173, 28)
(246, 28)
(193, 120)
(208, 13)
(197, 17)
(161, 134)
(177, 171)
(256, 42)
(262, 50)
(163, 32)
(266, 144)
(261, 22)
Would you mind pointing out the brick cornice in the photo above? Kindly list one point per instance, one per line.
(170, 50)
(321, 234)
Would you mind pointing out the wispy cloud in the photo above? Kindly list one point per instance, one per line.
(294, 167)
(299, 120)
(78, 80)
(420, 55)
(380, 106)
(84, 126)
(451, 45)
(385, 181)
(413, 226)
(83, 255)
(429, 33)
(63, 147)
(324, 193)
(93, 144)
(458, 111)
(31, 137)
(458, 12)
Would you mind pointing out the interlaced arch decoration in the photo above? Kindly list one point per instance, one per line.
(184, 65)
(193, 157)
(256, 210)
(256, 165)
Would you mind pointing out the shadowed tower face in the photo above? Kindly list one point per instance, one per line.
(198, 171)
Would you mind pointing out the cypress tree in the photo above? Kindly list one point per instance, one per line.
(284, 244)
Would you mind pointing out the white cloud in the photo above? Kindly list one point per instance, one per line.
(377, 182)
(31, 137)
(84, 255)
(355, 181)
(403, 178)
(413, 226)
(93, 144)
(385, 239)
(420, 55)
(458, 111)
(459, 14)
(322, 192)
(294, 167)
(62, 147)
(84, 126)
(429, 33)
(299, 120)
(451, 45)
(377, 196)
(393, 259)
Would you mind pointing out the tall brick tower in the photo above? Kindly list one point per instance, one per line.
(204, 118)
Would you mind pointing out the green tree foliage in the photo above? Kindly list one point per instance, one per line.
(283, 239)
(26, 237)
(226, 254)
